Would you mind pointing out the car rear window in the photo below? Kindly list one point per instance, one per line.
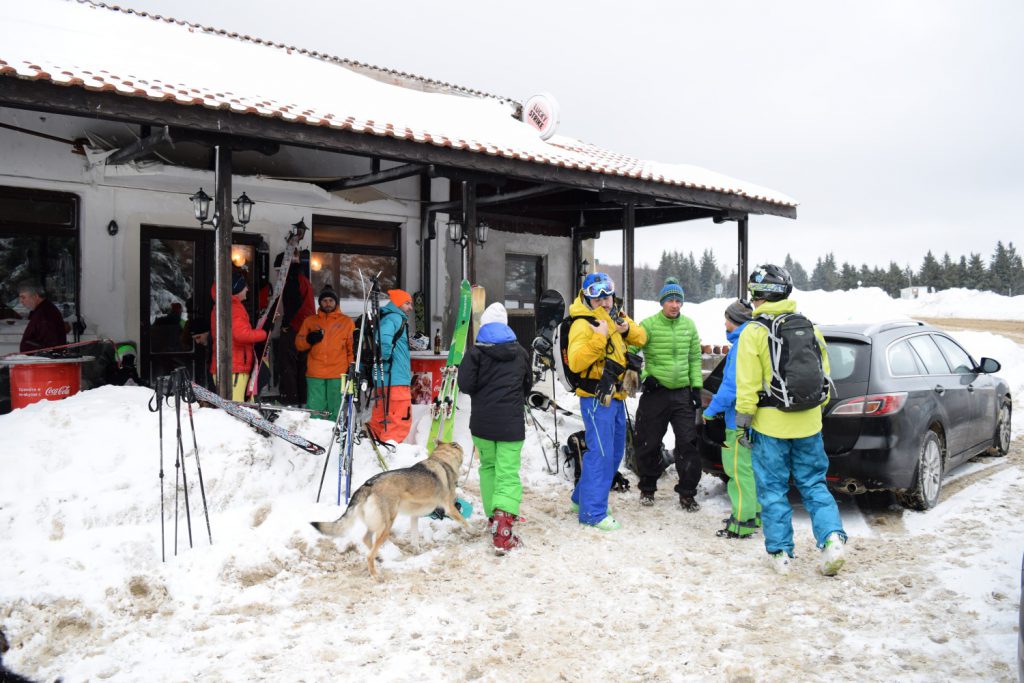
(848, 360)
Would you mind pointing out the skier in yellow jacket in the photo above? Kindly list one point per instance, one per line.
(597, 352)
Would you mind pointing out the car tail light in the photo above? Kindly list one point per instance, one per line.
(870, 406)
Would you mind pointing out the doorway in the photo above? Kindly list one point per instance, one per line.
(176, 276)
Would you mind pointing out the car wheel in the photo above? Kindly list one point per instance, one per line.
(1001, 440)
(924, 494)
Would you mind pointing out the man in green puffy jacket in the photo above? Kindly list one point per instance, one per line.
(671, 381)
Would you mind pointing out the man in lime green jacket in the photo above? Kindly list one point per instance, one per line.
(784, 443)
(672, 381)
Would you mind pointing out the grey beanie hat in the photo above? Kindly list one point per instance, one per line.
(738, 311)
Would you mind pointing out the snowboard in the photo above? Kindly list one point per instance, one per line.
(550, 312)
(443, 410)
(235, 410)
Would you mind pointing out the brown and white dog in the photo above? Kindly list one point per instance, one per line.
(414, 491)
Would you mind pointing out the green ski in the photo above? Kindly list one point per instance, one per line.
(443, 409)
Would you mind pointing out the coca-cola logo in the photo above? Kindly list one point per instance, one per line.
(63, 390)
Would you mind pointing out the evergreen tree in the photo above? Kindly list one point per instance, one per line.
(960, 280)
(976, 276)
(848, 277)
(866, 276)
(709, 275)
(800, 280)
(930, 274)
(1016, 284)
(948, 270)
(895, 279)
(666, 267)
(1000, 270)
(817, 280)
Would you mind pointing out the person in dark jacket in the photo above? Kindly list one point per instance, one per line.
(297, 300)
(45, 323)
(495, 373)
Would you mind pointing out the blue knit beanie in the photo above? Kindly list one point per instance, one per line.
(671, 290)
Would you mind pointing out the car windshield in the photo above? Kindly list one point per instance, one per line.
(848, 361)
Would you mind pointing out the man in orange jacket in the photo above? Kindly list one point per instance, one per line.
(328, 338)
(243, 337)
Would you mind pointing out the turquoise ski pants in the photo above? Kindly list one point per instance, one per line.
(775, 460)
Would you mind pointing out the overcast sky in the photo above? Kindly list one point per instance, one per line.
(897, 125)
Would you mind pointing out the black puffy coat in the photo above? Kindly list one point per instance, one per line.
(498, 378)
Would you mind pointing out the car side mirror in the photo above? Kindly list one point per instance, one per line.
(989, 365)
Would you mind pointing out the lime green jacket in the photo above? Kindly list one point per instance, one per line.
(672, 352)
(754, 374)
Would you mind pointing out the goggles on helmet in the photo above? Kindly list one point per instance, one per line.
(599, 289)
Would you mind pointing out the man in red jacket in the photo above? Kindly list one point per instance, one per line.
(243, 337)
(45, 322)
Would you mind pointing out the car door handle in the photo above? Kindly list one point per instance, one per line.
(939, 389)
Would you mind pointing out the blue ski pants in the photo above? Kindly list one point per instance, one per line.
(606, 443)
(775, 460)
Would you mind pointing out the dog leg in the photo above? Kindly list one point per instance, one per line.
(414, 532)
(452, 510)
(377, 542)
(368, 539)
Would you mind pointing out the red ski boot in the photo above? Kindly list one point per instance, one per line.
(501, 529)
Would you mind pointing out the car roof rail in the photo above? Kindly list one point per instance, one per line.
(891, 325)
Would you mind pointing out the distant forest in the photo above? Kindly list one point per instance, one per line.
(1002, 273)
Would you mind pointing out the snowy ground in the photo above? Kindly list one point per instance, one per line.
(84, 595)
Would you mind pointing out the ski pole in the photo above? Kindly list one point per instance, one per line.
(159, 410)
(181, 454)
(189, 399)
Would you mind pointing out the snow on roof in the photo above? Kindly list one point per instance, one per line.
(105, 48)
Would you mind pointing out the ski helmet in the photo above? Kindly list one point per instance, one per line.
(597, 286)
(770, 283)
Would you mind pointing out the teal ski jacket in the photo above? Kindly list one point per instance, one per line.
(394, 347)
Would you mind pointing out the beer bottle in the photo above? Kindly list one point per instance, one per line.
(437, 342)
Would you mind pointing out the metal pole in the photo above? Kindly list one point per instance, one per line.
(742, 269)
(469, 229)
(222, 269)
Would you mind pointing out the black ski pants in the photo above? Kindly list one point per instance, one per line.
(658, 409)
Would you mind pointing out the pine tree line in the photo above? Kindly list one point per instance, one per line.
(1003, 273)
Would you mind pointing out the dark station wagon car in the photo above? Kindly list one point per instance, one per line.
(909, 404)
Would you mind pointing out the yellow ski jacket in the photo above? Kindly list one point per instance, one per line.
(754, 374)
(588, 349)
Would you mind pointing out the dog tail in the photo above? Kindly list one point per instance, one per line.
(343, 524)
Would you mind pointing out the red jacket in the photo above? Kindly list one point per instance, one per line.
(243, 336)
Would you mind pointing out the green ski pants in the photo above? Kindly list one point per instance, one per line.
(500, 487)
(742, 490)
(324, 394)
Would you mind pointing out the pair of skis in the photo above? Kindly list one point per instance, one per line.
(274, 304)
(471, 306)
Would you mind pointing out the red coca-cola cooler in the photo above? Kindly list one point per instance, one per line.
(44, 379)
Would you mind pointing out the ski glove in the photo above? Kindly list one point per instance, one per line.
(743, 422)
(696, 398)
(315, 337)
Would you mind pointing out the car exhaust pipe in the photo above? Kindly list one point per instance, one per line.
(853, 486)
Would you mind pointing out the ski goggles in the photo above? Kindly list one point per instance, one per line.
(599, 289)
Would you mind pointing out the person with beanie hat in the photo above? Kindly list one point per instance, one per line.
(736, 461)
(495, 373)
(392, 413)
(596, 350)
(672, 381)
(328, 337)
(243, 336)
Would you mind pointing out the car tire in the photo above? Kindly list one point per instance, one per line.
(924, 494)
(1001, 439)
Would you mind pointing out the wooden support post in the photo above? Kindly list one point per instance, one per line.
(742, 267)
(628, 252)
(222, 268)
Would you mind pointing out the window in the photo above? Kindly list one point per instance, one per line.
(902, 360)
(848, 361)
(38, 241)
(929, 354)
(344, 247)
(524, 277)
(959, 359)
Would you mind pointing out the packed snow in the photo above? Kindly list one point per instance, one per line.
(84, 594)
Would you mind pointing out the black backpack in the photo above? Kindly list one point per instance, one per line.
(798, 379)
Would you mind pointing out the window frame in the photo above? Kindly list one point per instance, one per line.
(27, 229)
(321, 221)
(539, 281)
